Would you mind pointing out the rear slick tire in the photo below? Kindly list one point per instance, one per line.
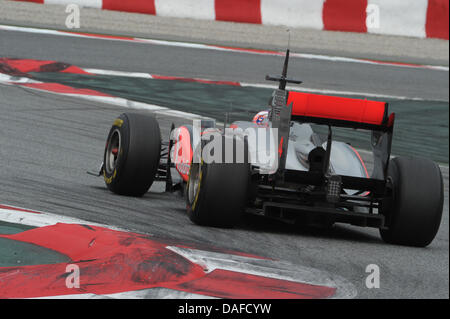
(216, 193)
(413, 214)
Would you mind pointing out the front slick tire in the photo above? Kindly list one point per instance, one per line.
(216, 193)
(414, 212)
(132, 154)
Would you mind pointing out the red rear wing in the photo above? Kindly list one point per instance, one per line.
(339, 111)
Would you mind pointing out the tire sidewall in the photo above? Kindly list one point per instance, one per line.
(122, 125)
(139, 154)
(413, 213)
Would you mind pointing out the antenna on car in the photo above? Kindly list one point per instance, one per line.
(289, 38)
(283, 77)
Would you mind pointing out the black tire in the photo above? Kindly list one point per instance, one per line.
(413, 214)
(137, 140)
(221, 195)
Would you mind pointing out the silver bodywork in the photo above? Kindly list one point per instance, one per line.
(344, 160)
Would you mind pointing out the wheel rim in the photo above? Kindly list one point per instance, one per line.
(112, 151)
(194, 182)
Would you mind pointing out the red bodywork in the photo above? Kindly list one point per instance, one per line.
(338, 108)
(182, 152)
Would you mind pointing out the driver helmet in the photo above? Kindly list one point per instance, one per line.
(261, 118)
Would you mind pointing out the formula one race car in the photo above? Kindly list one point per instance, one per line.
(303, 178)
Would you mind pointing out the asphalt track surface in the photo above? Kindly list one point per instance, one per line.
(48, 142)
(175, 61)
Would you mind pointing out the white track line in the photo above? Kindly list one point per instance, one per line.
(41, 219)
(275, 269)
(119, 73)
(149, 293)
